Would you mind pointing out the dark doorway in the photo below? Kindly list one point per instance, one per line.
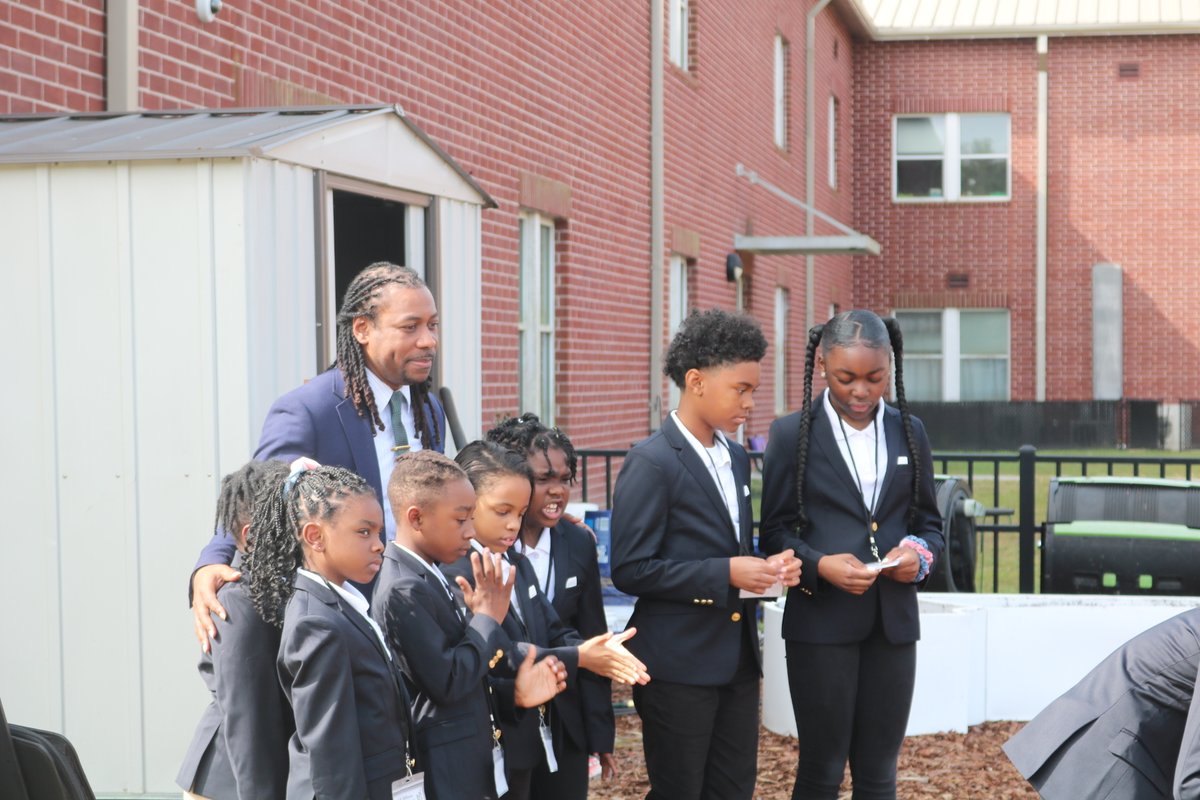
(366, 229)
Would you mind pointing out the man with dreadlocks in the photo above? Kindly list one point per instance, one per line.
(371, 406)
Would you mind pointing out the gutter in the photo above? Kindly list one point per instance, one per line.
(657, 26)
(810, 71)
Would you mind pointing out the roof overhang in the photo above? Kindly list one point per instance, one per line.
(851, 244)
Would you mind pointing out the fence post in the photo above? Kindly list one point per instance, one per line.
(1028, 480)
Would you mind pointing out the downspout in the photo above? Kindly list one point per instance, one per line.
(1043, 113)
(656, 211)
(810, 148)
(121, 56)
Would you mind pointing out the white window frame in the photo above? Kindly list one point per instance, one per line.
(951, 354)
(678, 32)
(951, 161)
(831, 174)
(780, 92)
(678, 307)
(782, 311)
(537, 335)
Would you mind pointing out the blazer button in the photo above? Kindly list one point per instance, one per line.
(736, 616)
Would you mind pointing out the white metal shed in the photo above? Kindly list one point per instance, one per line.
(166, 276)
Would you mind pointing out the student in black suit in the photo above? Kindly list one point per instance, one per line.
(563, 557)
(503, 484)
(682, 544)
(455, 657)
(848, 485)
(312, 538)
(239, 749)
(1128, 730)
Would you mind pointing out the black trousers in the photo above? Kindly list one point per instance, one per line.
(571, 780)
(700, 742)
(851, 703)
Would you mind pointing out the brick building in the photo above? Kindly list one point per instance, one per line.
(934, 115)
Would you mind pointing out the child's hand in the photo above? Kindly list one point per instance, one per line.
(846, 573)
(606, 656)
(608, 766)
(752, 574)
(205, 605)
(788, 566)
(538, 683)
(906, 571)
(492, 592)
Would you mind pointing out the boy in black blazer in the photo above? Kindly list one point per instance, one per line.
(682, 544)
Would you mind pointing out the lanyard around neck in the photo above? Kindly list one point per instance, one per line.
(869, 508)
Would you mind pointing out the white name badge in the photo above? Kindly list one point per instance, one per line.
(548, 746)
(571, 583)
(410, 788)
(498, 771)
(532, 592)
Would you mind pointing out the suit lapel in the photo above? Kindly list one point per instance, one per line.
(358, 432)
(893, 434)
(560, 558)
(822, 436)
(741, 478)
(699, 471)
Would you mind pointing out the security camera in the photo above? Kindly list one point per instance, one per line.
(207, 10)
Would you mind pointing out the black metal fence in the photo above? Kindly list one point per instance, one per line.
(1009, 485)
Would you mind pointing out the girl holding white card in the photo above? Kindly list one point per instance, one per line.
(848, 484)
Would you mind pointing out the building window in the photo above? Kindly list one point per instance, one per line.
(832, 135)
(679, 31)
(679, 306)
(938, 157)
(781, 351)
(536, 322)
(956, 354)
(781, 92)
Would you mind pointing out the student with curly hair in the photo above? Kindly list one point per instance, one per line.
(848, 485)
(239, 749)
(682, 544)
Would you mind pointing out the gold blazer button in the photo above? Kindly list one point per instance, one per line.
(736, 616)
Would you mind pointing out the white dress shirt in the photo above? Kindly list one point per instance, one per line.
(356, 600)
(870, 470)
(385, 440)
(719, 463)
(540, 558)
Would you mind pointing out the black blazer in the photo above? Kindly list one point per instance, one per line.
(351, 708)
(538, 625)
(584, 710)
(240, 745)
(447, 659)
(671, 545)
(1132, 710)
(817, 612)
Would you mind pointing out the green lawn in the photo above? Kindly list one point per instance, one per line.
(1002, 491)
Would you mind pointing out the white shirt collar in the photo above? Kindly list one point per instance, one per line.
(424, 563)
(383, 397)
(719, 452)
(542, 546)
(851, 431)
(348, 592)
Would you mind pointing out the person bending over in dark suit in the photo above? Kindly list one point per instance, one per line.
(371, 405)
(314, 535)
(239, 749)
(458, 659)
(563, 557)
(682, 544)
(1129, 730)
(848, 485)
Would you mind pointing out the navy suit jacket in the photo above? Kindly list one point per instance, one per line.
(351, 708)
(1131, 723)
(816, 612)
(240, 745)
(447, 659)
(671, 545)
(318, 421)
(585, 710)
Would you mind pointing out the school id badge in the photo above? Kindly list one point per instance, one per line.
(409, 788)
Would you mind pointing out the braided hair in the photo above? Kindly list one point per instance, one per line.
(235, 503)
(419, 478)
(857, 328)
(281, 509)
(486, 462)
(362, 300)
(527, 434)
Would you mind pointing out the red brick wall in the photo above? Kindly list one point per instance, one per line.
(51, 55)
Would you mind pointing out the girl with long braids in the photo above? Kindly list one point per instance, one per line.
(313, 536)
(848, 485)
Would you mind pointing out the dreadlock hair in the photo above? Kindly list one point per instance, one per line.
(713, 338)
(487, 462)
(528, 435)
(362, 300)
(419, 477)
(856, 328)
(235, 503)
(281, 509)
